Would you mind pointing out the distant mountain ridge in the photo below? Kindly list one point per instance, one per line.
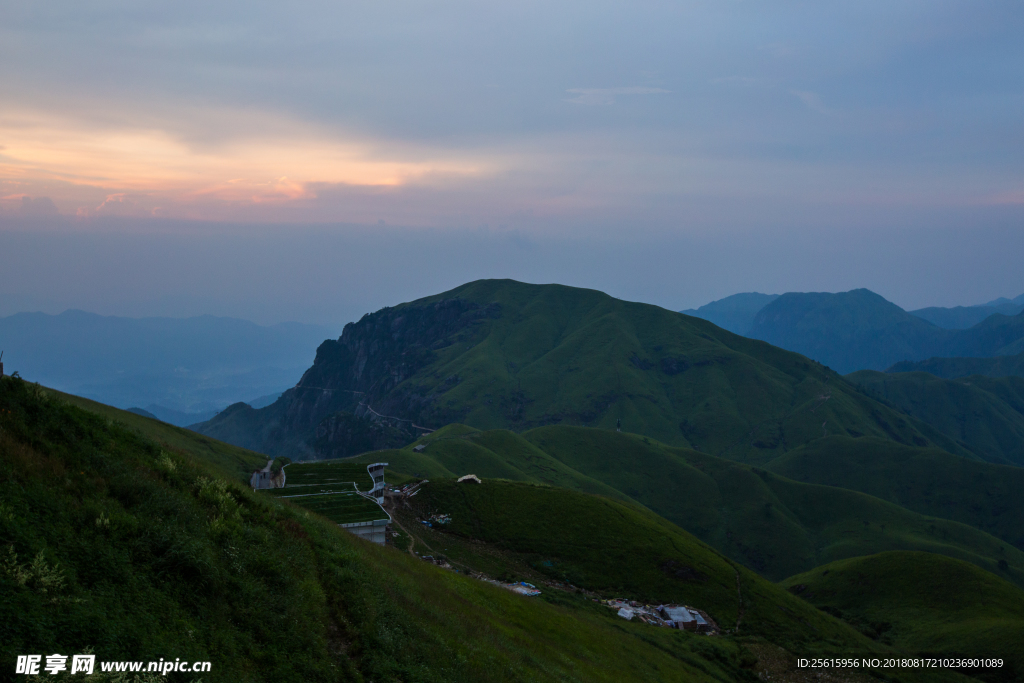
(860, 330)
(952, 368)
(734, 313)
(962, 317)
(190, 365)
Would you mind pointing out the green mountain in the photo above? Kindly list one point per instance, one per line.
(925, 480)
(501, 354)
(953, 368)
(114, 543)
(769, 523)
(860, 330)
(984, 414)
(924, 603)
(734, 313)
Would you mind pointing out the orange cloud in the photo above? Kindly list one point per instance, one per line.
(266, 161)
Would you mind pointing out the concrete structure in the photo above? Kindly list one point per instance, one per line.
(470, 477)
(371, 531)
(376, 471)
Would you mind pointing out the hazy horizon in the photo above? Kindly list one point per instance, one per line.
(330, 275)
(316, 161)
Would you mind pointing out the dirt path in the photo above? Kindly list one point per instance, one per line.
(412, 539)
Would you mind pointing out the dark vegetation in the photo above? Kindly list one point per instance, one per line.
(983, 414)
(924, 603)
(928, 481)
(140, 550)
(953, 368)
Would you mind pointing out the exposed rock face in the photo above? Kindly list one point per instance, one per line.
(358, 372)
(346, 402)
(343, 434)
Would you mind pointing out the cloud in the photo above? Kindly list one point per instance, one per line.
(114, 205)
(606, 96)
(26, 205)
(37, 206)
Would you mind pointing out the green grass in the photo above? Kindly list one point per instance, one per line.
(619, 550)
(921, 602)
(984, 414)
(232, 460)
(521, 356)
(919, 499)
(928, 481)
(144, 553)
(456, 450)
(771, 524)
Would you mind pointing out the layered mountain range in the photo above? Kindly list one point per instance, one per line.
(860, 330)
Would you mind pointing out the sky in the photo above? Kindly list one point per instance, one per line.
(315, 160)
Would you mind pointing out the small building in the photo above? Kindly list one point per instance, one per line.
(680, 616)
(265, 479)
(419, 448)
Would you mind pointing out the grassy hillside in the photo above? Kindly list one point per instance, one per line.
(984, 414)
(114, 543)
(232, 460)
(928, 481)
(456, 450)
(499, 354)
(771, 524)
(924, 603)
(623, 551)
